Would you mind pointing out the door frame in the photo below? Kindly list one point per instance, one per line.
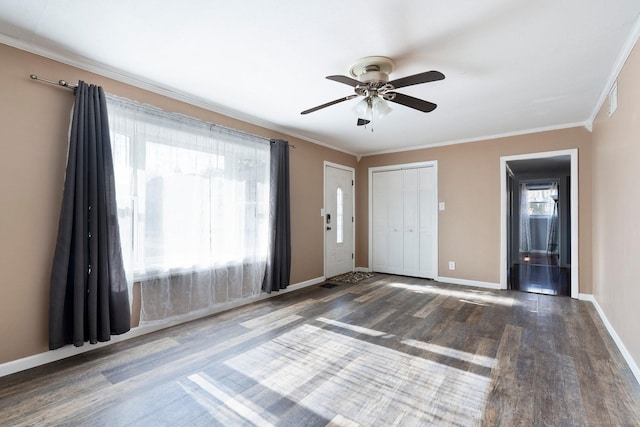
(323, 212)
(372, 170)
(575, 270)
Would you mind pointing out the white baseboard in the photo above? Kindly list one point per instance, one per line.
(39, 359)
(466, 282)
(362, 270)
(625, 353)
(306, 283)
(586, 297)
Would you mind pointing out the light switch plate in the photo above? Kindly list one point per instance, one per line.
(441, 206)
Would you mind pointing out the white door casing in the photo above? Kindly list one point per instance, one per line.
(339, 219)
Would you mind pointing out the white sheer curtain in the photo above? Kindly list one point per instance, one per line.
(525, 223)
(193, 207)
(552, 224)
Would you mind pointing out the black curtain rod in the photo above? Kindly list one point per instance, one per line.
(290, 145)
(62, 83)
(68, 85)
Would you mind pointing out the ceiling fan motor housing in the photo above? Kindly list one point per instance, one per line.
(373, 77)
(373, 70)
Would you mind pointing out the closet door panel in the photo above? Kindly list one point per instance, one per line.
(395, 206)
(380, 221)
(410, 222)
(428, 209)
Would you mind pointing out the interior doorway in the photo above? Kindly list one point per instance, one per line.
(540, 233)
(539, 220)
(339, 257)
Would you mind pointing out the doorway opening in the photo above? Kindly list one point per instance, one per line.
(540, 223)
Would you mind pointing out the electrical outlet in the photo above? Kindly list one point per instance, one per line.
(452, 265)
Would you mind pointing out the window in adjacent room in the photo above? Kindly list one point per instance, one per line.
(540, 201)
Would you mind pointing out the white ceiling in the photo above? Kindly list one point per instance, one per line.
(511, 66)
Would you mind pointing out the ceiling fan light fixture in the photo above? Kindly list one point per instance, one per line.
(371, 107)
(364, 109)
(360, 109)
(380, 107)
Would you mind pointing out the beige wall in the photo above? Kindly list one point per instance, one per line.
(616, 208)
(469, 184)
(33, 136)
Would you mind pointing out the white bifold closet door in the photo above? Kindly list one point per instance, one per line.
(404, 209)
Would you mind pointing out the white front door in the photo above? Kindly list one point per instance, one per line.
(338, 220)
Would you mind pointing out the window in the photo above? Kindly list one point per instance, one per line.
(540, 201)
(339, 216)
(191, 195)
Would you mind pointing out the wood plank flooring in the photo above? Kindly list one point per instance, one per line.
(386, 351)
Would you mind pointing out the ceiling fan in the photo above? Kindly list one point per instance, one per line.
(371, 81)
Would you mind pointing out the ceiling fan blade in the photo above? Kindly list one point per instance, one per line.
(363, 122)
(344, 79)
(427, 76)
(328, 104)
(410, 101)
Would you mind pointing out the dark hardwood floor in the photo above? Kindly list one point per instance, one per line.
(540, 273)
(386, 351)
(541, 279)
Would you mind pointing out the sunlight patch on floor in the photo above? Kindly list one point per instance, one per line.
(224, 408)
(476, 359)
(478, 296)
(354, 328)
(485, 361)
(332, 374)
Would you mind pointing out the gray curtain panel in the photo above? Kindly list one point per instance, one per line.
(89, 298)
(279, 258)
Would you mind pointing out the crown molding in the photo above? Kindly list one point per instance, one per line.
(480, 138)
